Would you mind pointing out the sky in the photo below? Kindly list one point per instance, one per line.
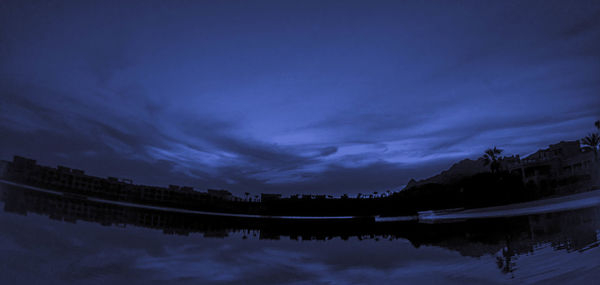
(292, 96)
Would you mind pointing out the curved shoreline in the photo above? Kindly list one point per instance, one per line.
(557, 204)
(135, 205)
(564, 203)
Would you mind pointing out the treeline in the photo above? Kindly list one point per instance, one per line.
(480, 190)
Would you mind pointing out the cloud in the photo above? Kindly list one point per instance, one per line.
(326, 151)
(586, 24)
(213, 97)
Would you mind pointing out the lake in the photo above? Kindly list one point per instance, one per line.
(55, 239)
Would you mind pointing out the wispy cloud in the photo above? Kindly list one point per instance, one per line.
(307, 99)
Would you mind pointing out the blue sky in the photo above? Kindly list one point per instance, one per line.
(292, 96)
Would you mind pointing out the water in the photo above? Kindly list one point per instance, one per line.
(51, 239)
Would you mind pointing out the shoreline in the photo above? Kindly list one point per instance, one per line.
(542, 206)
(177, 210)
(556, 204)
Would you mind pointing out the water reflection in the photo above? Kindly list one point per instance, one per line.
(505, 240)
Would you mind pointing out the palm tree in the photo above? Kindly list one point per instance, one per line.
(592, 141)
(492, 157)
(246, 193)
(597, 124)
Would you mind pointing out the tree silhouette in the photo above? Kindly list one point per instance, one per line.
(597, 124)
(492, 157)
(592, 141)
(246, 193)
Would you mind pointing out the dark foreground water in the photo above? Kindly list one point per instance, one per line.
(51, 239)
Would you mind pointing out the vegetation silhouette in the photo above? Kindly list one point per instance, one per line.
(592, 141)
(492, 157)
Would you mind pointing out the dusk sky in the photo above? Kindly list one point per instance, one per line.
(292, 96)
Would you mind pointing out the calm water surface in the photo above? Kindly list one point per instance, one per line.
(50, 239)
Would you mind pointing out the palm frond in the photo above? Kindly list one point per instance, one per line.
(591, 140)
(491, 157)
(497, 150)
